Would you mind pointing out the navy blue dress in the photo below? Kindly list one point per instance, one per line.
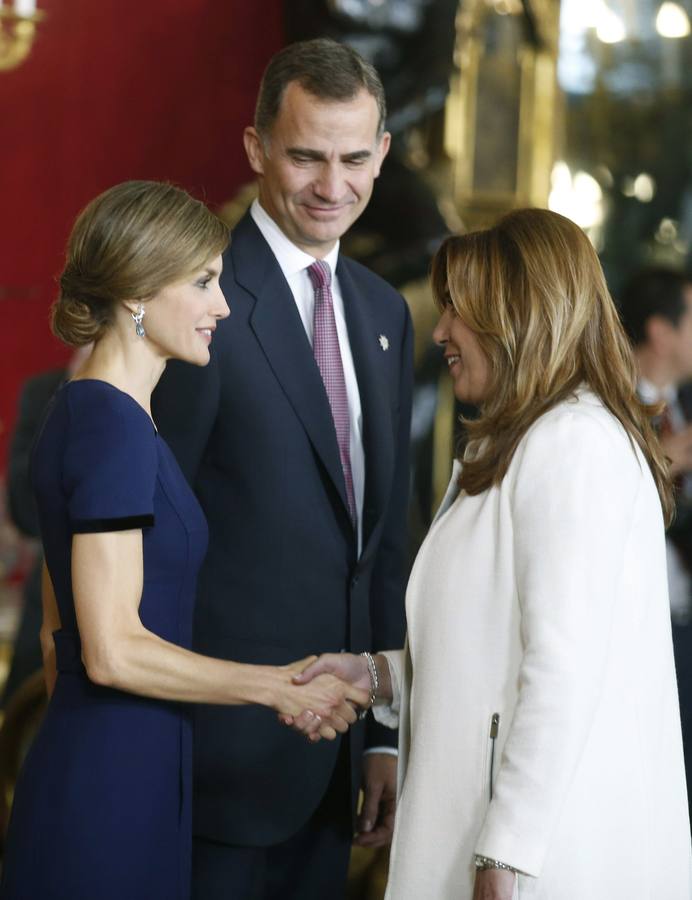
(102, 806)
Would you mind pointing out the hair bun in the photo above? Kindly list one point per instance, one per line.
(73, 318)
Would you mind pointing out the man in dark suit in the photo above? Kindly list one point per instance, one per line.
(296, 439)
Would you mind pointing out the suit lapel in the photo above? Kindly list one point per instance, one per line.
(378, 442)
(277, 325)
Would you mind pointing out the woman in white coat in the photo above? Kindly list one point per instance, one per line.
(540, 748)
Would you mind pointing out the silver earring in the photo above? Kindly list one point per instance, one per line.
(138, 316)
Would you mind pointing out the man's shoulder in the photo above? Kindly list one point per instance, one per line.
(370, 281)
(244, 232)
(38, 389)
(246, 248)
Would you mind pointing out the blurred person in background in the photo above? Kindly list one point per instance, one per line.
(34, 398)
(656, 311)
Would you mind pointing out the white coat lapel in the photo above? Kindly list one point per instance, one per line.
(451, 493)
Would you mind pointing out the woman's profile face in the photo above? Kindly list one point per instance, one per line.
(466, 361)
(180, 319)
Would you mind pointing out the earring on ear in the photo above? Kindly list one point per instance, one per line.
(138, 316)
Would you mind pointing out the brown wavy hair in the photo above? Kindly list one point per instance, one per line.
(127, 244)
(532, 290)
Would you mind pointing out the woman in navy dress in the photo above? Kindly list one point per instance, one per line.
(102, 806)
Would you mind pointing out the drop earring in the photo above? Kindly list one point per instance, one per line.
(138, 316)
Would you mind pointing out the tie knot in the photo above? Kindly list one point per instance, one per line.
(320, 274)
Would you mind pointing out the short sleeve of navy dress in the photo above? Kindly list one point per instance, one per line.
(110, 462)
(102, 807)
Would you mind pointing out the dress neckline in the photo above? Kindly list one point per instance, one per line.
(118, 390)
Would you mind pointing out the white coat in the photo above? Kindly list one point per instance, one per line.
(539, 661)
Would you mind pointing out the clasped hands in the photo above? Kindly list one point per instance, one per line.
(326, 695)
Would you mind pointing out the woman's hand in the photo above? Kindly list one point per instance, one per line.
(323, 703)
(494, 884)
(348, 667)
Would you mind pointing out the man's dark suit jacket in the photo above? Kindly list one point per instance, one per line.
(254, 434)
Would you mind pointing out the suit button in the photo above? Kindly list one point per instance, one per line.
(354, 581)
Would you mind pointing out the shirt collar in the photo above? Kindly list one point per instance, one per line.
(651, 393)
(291, 259)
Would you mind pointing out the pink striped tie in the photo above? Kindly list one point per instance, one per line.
(325, 345)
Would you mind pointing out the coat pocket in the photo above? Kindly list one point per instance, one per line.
(493, 732)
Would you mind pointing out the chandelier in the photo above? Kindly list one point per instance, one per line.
(17, 31)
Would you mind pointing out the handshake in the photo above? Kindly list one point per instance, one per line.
(325, 695)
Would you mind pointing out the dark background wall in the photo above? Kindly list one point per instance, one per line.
(113, 90)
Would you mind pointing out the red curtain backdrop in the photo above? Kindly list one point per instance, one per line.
(113, 90)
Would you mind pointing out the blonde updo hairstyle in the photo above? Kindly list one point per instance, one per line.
(127, 244)
(532, 290)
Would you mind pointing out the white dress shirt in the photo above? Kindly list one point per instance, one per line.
(294, 264)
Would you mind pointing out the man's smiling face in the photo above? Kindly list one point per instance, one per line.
(317, 166)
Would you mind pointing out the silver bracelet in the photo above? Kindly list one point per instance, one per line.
(484, 862)
(374, 681)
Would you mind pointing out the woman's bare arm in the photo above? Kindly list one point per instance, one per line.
(118, 651)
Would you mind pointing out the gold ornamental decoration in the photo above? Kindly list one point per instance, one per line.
(17, 32)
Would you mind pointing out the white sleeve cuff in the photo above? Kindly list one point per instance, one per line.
(388, 714)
